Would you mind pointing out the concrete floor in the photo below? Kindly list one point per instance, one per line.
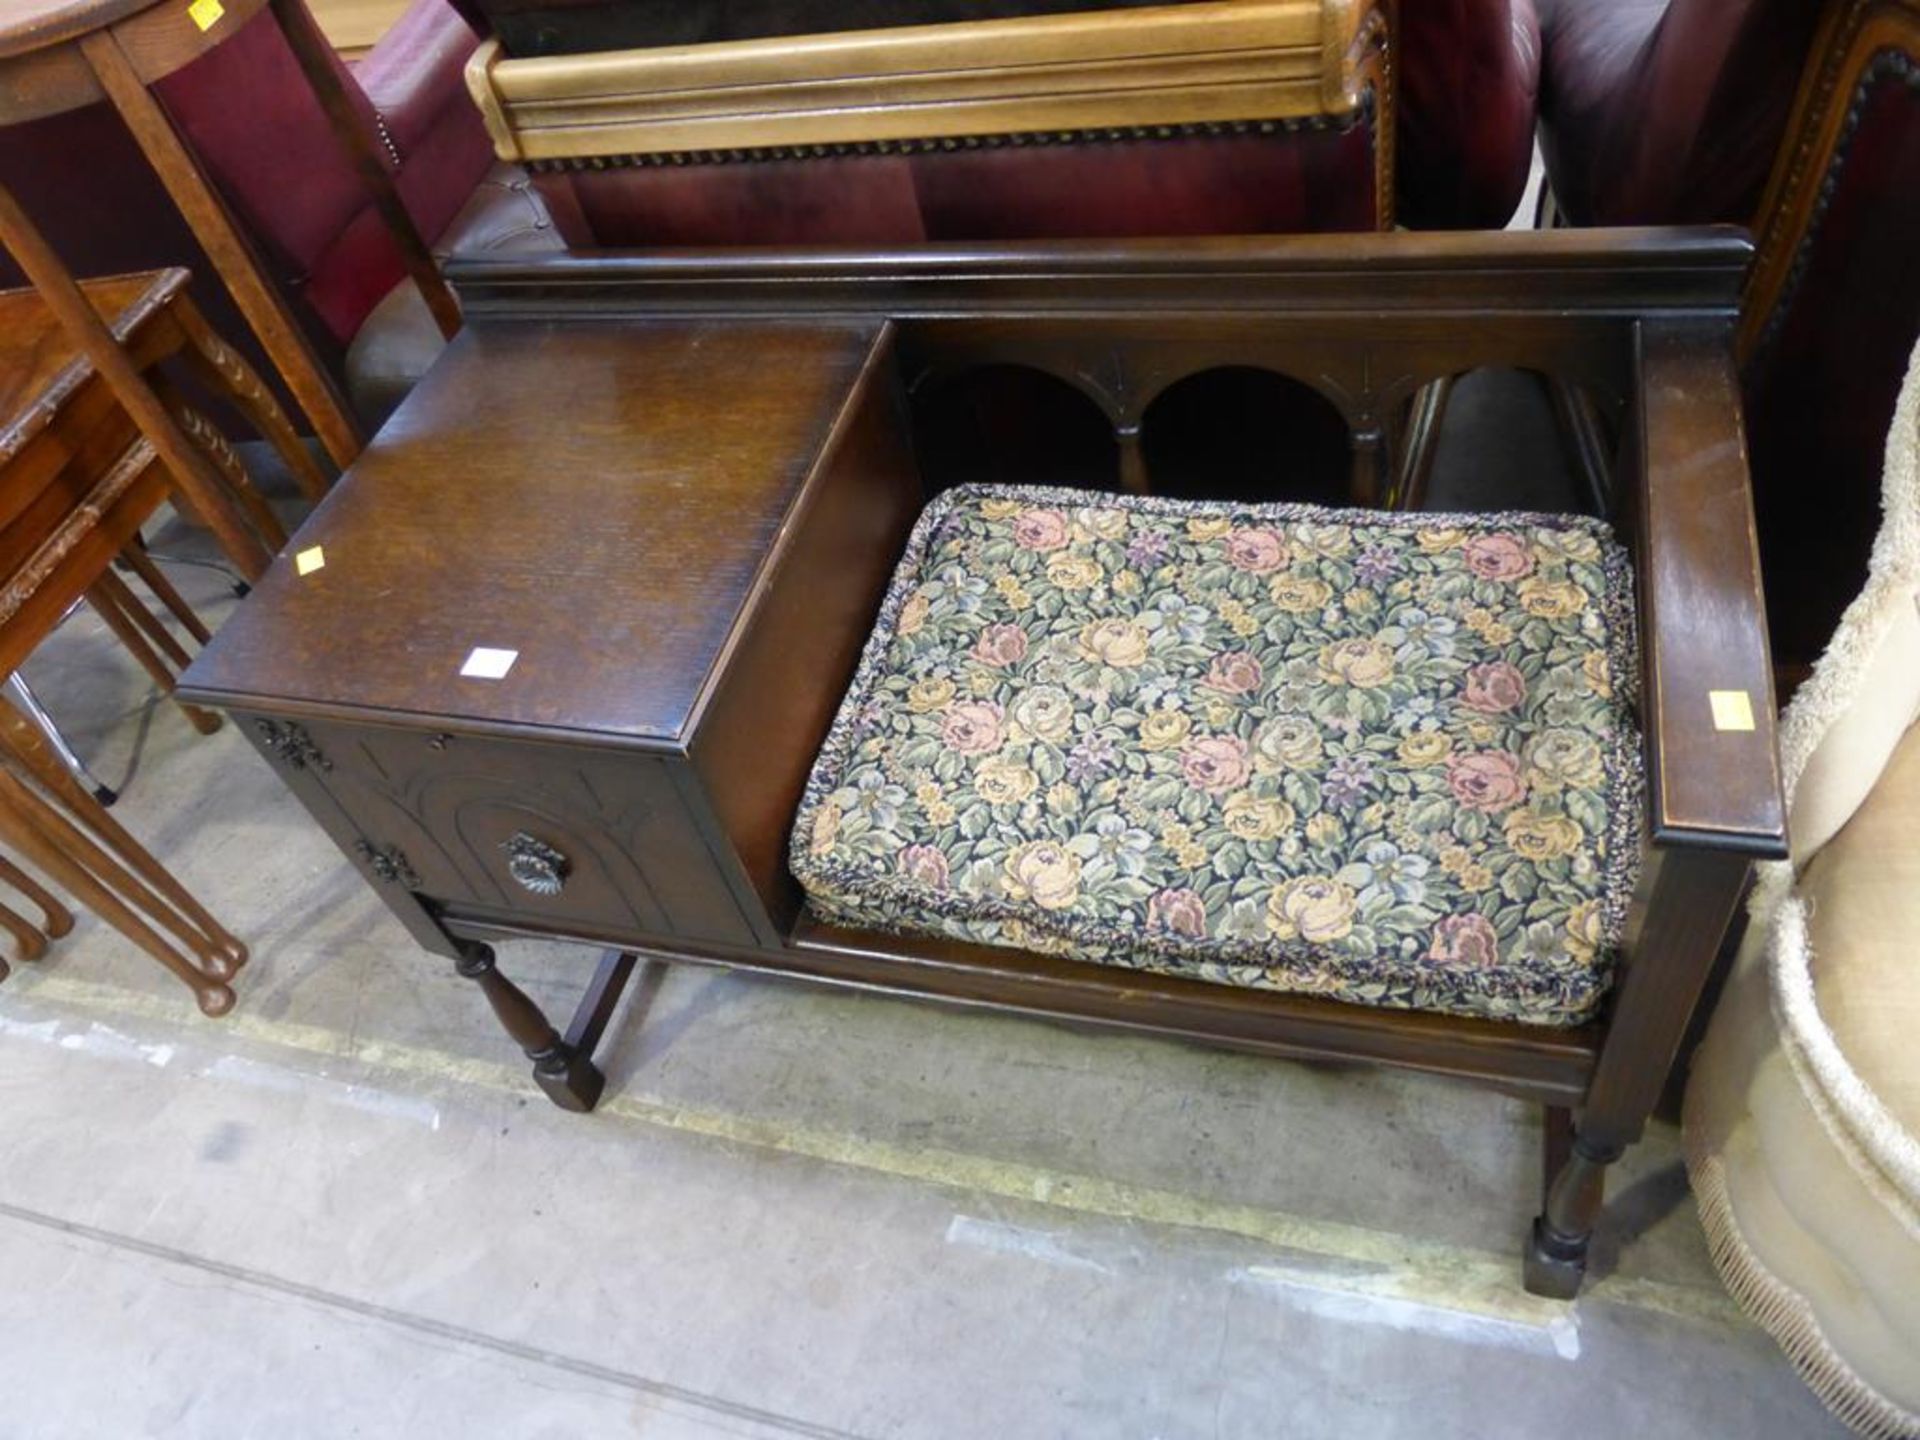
(344, 1212)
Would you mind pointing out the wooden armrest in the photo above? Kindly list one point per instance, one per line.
(1713, 767)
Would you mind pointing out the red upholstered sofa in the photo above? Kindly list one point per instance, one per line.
(1801, 120)
(1463, 74)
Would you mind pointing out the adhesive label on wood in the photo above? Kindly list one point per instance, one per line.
(206, 13)
(485, 664)
(309, 560)
(1732, 709)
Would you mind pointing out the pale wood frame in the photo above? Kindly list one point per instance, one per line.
(1175, 65)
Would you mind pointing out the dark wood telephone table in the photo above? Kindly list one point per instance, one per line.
(656, 496)
(580, 618)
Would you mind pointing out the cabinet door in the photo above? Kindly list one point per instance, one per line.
(547, 834)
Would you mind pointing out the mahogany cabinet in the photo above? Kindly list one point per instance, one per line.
(682, 560)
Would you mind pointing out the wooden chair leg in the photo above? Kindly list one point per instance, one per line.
(210, 957)
(111, 607)
(142, 564)
(1584, 433)
(219, 235)
(193, 475)
(23, 741)
(148, 623)
(215, 446)
(26, 935)
(223, 370)
(1421, 443)
(22, 815)
(55, 919)
(1685, 900)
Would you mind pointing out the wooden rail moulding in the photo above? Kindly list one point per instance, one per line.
(1051, 75)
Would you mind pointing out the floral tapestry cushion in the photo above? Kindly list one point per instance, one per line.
(1386, 758)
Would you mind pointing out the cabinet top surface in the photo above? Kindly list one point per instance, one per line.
(595, 497)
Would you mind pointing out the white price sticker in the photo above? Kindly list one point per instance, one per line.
(487, 664)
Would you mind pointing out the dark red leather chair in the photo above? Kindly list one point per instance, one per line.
(255, 126)
(1469, 77)
(1801, 120)
(1658, 111)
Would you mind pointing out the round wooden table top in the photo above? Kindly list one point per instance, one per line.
(42, 69)
(35, 24)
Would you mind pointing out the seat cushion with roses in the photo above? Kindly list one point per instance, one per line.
(1384, 758)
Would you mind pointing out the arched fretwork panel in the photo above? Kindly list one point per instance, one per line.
(1011, 425)
(1246, 433)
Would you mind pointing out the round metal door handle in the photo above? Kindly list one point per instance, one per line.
(535, 865)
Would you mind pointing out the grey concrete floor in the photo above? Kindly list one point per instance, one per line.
(343, 1211)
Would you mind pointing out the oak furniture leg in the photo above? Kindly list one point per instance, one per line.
(141, 563)
(33, 944)
(1366, 480)
(216, 447)
(232, 255)
(20, 694)
(109, 606)
(22, 815)
(192, 472)
(224, 371)
(55, 919)
(25, 742)
(589, 1022)
(562, 1066)
(211, 957)
(130, 606)
(1134, 479)
(1685, 903)
(1584, 434)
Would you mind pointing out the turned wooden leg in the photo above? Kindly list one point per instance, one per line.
(141, 563)
(27, 935)
(1684, 901)
(21, 816)
(55, 919)
(569, 1079)
(1556, 1258)
(224, 371)
(25, 743)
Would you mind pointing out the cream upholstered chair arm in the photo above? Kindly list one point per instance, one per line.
(1843, 724)
(1800, 1111)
